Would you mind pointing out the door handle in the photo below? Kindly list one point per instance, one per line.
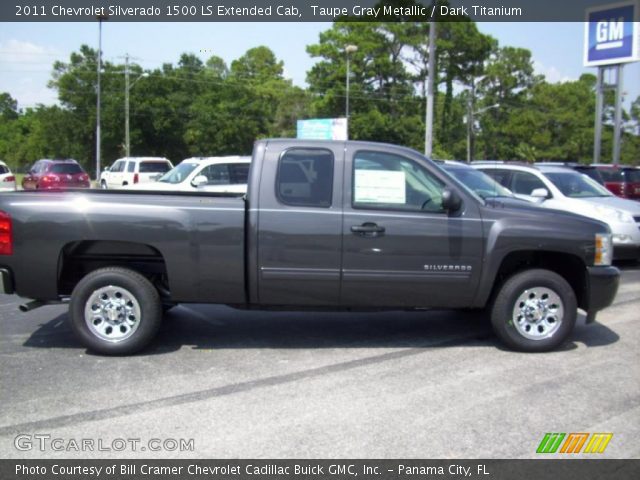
(367, 229)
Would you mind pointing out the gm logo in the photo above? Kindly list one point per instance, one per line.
(573, 442)
(612, 34)
(609, 34)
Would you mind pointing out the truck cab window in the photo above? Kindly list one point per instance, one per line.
(386, 181)
(305, 177)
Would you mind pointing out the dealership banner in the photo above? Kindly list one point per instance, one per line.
(295, 10)
(319, 469)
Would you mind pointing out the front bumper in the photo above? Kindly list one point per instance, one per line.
(626, 252)
(602, 286)
(6, 281)
(626, 240)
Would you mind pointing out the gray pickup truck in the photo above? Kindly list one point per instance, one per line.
(324, 225)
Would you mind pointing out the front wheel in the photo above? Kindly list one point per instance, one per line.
(103, 185)
(534, 311)
(115, 311)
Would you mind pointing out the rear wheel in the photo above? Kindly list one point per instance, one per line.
(115, 311)
(534, 311)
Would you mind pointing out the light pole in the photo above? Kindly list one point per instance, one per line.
(127, 88)
(470, 121)
(428, 121)
(100, 18)
(348, 50)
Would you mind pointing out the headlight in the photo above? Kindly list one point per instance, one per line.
(604, 249)
(613, 214)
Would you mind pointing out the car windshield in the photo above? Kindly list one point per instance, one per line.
(154, 167)
(66, 168)
(577, 185)
(478, 182)
(179, 173)
(3, 169)
(592, 173)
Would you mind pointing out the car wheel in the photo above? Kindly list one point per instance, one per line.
(115, 311)
(103, 185)
(534, 311)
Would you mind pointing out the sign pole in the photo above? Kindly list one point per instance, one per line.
(618, 116)
(597, 141)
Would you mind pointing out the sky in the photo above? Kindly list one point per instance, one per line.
(28, 50)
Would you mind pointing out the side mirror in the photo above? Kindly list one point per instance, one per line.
(540, 193)
(106, 169)
(451, 201)
(200, 181)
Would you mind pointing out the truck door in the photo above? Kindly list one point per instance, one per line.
(400, 248)
(299, 223)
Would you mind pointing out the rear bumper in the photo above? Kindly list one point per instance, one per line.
(602, 289)
(6, 281)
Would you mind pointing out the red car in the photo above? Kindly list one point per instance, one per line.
(55, 175)
(621, 180)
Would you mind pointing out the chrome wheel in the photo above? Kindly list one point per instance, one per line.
(112, 313)
(538, 313)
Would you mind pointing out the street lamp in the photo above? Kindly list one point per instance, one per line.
(127, 89)
(348, 50)
(470, 121)
(101, 18)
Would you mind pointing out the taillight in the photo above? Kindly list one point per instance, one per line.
(135, 178)
(6, 236)
(10, 178)
(50, 178)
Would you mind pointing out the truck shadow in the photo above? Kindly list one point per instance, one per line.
(206, 327)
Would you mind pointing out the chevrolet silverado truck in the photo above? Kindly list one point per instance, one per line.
(324, 225)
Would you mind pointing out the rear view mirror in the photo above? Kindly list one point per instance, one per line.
(451, 201)
(106, 169)
(540, 193)
(200, 181)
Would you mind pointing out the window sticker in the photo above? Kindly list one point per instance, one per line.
(380, 186)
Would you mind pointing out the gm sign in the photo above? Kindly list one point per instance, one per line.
(612, 34)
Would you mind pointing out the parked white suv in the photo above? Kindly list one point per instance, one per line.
(7, 179)
(204, 174)
(563, 188)
(133, 171)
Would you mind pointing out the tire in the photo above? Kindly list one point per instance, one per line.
(103, 185)
(534, 311)
(115, 311)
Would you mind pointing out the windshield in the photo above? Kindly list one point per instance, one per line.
(577, 185)
(478, 182)
(178, 174)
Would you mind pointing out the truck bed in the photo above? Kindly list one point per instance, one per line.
(196, 239)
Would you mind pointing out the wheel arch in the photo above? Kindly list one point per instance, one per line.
(79, 258)
(570, 267)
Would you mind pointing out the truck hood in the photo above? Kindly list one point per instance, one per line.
(536, 212)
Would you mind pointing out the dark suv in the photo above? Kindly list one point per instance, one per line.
(621, 180)
(55, 175)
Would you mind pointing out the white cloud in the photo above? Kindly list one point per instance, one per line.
(25, 69)
(552, 73)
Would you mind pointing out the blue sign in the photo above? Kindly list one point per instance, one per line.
(611, 34)
(323, 129)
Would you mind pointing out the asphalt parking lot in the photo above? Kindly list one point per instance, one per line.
(317, 385)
